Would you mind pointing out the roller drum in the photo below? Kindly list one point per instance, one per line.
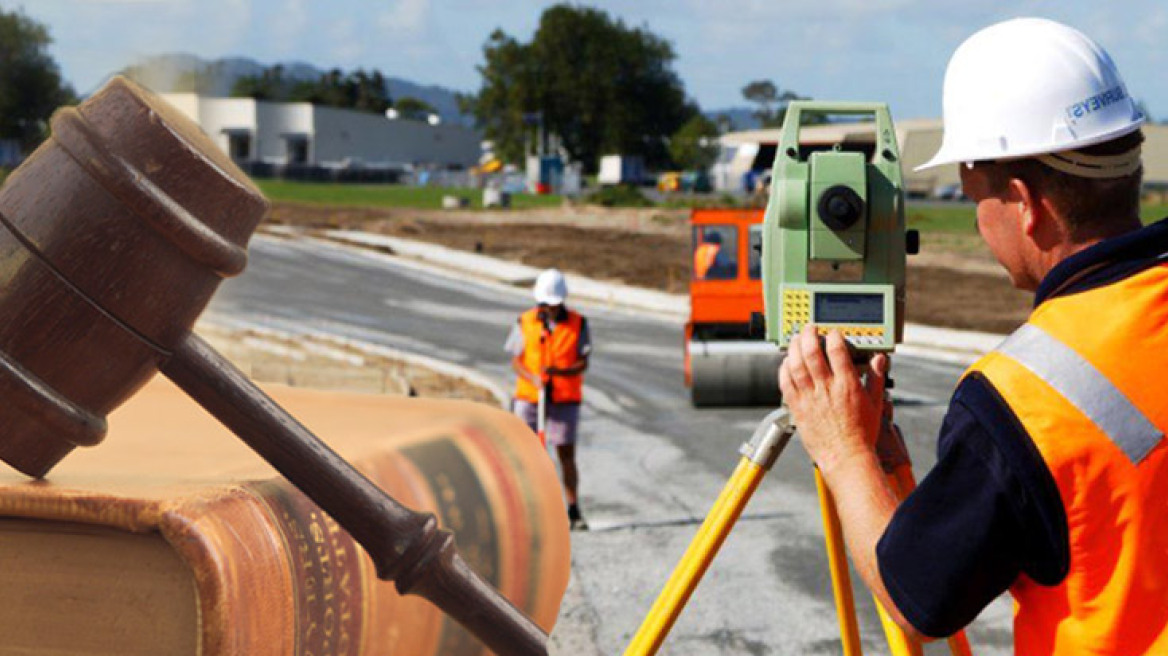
(734, 374)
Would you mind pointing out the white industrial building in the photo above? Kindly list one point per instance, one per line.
(300, 133)
(918, 140)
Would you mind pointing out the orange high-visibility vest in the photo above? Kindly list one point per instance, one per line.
(704, 256)
(558, 349)
(1085, 376)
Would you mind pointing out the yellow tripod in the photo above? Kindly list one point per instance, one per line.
(758, 456)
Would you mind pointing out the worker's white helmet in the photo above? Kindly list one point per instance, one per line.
(550, 288)
(1030, 86)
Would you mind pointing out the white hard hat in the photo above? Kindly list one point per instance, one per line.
(1030, 86)
(550, 288)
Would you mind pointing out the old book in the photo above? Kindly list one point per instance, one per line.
(171, 537)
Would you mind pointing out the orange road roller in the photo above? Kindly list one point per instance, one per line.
(726, 363)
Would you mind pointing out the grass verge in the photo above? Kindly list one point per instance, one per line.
(388, 195)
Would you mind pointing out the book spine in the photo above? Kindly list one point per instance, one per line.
(334, 580)
(276, 575)
(244, 574)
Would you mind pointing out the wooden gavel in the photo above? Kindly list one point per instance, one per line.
(114, 234)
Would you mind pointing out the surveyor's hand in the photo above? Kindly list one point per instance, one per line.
(838, 417)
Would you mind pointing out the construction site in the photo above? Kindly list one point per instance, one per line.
(294, 366)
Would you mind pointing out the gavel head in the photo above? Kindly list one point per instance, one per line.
(114, 234)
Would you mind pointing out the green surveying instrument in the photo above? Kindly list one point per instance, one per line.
(833, 255)
(834, 242)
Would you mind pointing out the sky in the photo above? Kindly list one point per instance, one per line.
(893, 51)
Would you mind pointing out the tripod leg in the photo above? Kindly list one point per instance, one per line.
(759, 455)
(696, 560)
(837, 560)
(899, 644)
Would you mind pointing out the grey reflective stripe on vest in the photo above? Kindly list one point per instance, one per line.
(1080, 383)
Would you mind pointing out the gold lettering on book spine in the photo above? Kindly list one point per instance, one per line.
(327, 564)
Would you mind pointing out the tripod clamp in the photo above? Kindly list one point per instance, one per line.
(769, 439)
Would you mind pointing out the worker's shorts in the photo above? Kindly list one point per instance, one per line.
(562, 419)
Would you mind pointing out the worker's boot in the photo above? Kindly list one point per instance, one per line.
(576, 521)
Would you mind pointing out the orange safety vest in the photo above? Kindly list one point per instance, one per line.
(1085, 377)
(704, 256)
(559, 349)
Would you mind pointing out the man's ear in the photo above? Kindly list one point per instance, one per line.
(1028, 205)
(1037, 214)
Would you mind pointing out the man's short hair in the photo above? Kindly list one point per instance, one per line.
(1089, 206)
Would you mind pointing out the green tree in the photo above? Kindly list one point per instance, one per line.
(333, 90)
(594, 83)
(772, 104)
(465, 103)
(372, 92)
(413, 108)
(30, 82)
(695, 145)
(309, 91)
(765, 94)
(360, 90)
(505, 106)
(268, 85)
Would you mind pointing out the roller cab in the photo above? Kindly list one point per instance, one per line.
(726, 363)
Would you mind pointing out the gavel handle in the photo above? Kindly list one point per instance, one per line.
(407, 547)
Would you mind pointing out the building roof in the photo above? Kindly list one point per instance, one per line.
(830, 133)
(919, 139)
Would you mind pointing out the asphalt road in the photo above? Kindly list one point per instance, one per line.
(651, 466)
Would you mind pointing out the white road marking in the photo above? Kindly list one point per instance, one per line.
(496, 318)
(601, 401)
(670, 353)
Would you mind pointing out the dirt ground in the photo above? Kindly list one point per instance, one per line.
(953, 283)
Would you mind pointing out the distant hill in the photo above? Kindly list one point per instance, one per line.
(162, 73)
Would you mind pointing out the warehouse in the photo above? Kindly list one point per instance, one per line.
(302, 134)
(918, 140)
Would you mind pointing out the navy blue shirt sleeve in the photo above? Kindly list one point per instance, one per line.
(987, 512)
(584, 344)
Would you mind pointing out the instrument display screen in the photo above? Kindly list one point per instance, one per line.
(849, 308)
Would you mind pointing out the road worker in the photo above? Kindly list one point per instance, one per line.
(711, 260)
(549, 347)
(1052, 476)
(705, 253)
